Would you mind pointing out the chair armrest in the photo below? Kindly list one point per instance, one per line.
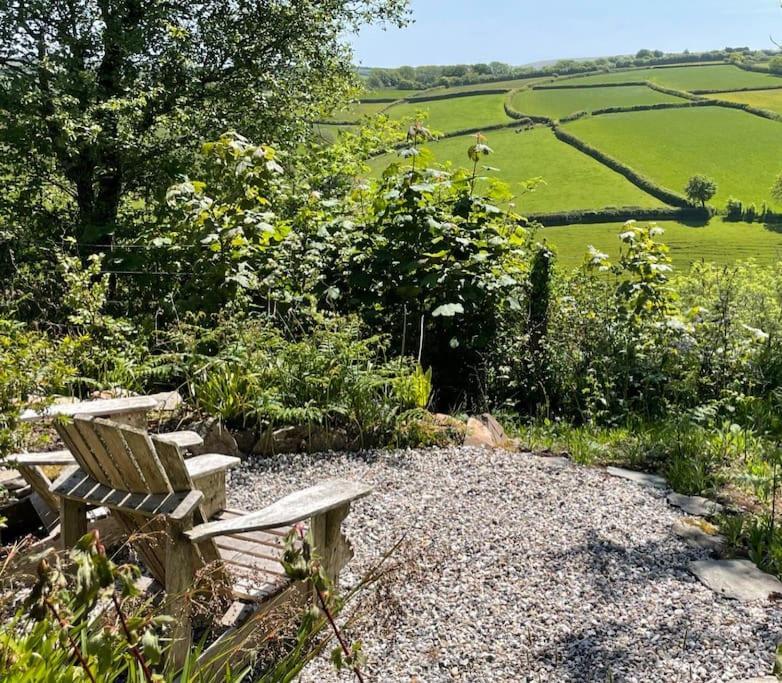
(289, 510)
(40, 459)
(209, 463)
(183, 439)
(187, 506)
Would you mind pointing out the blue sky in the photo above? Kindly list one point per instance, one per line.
(523, 31)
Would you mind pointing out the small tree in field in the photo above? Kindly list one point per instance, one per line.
(776, 189)
(700, 189)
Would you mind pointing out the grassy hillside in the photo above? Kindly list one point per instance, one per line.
(357, 111)
(495, 85)
(739, 150)
(573, 180)
(713, 77)
(719, 241)
(558, 103)
(457, 113)
(384, 93)
(763, 99)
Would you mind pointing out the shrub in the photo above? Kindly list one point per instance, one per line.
(734, 209)
(244, 370)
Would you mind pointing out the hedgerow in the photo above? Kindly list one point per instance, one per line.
(620, 214)
(647, 185)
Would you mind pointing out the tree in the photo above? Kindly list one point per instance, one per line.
(700, 189)
(776, 189)
(775, 65)
(104, 98)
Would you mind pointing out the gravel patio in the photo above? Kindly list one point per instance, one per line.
(524, 569)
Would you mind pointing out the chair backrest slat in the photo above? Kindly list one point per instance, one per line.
(171, 459)
(82, 453)
(115, 476)
(133, 452)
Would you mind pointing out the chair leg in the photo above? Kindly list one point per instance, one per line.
(73, 522)
(330, 543)
(179, 579)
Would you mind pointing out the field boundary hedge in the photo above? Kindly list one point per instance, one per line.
(621, 213)
(752, 88)
(644, 183)
(589, 86)
(649, 107)
(456, 95)
(673, 92)
(756, 111)
(517, 115)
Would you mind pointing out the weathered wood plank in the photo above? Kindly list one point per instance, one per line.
(100, 408)
(133, 451)
(179, 578)
(183, 439)
(73, 522)
(329, 541)
(288, 510)
(79, 486)
(209, 463)
(116, 453)
(259, 565)
(41, 459)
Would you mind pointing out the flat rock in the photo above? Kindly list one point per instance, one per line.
(643, 478)
(694, 505)
(554, 461)
(736, 579)
(695, 533)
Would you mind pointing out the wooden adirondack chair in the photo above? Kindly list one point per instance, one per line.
(147, 484)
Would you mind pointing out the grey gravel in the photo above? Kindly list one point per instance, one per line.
(525, 572)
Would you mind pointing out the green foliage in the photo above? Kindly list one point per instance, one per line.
(85, 620)
(247, 372)
(436, 266)
(103, 99)
(32, 367)
(700, 189)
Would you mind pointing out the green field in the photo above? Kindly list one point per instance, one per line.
(714, 77)
(357, 111)
(496, 85)
(573, 180)
(738, 150)
(763, 99)
(558, 103)
(329, 131)
(719, 241)
(457, 113)
(385, 93)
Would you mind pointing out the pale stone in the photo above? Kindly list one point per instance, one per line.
(478, 434)
(695, 535)
(217, 438)
(694, 505)
(736, 579)
(642, 478)
(168, 401)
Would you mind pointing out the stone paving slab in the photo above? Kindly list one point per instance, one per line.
(643, 478)
(736, 579)
(694, 505)
(693, 534)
